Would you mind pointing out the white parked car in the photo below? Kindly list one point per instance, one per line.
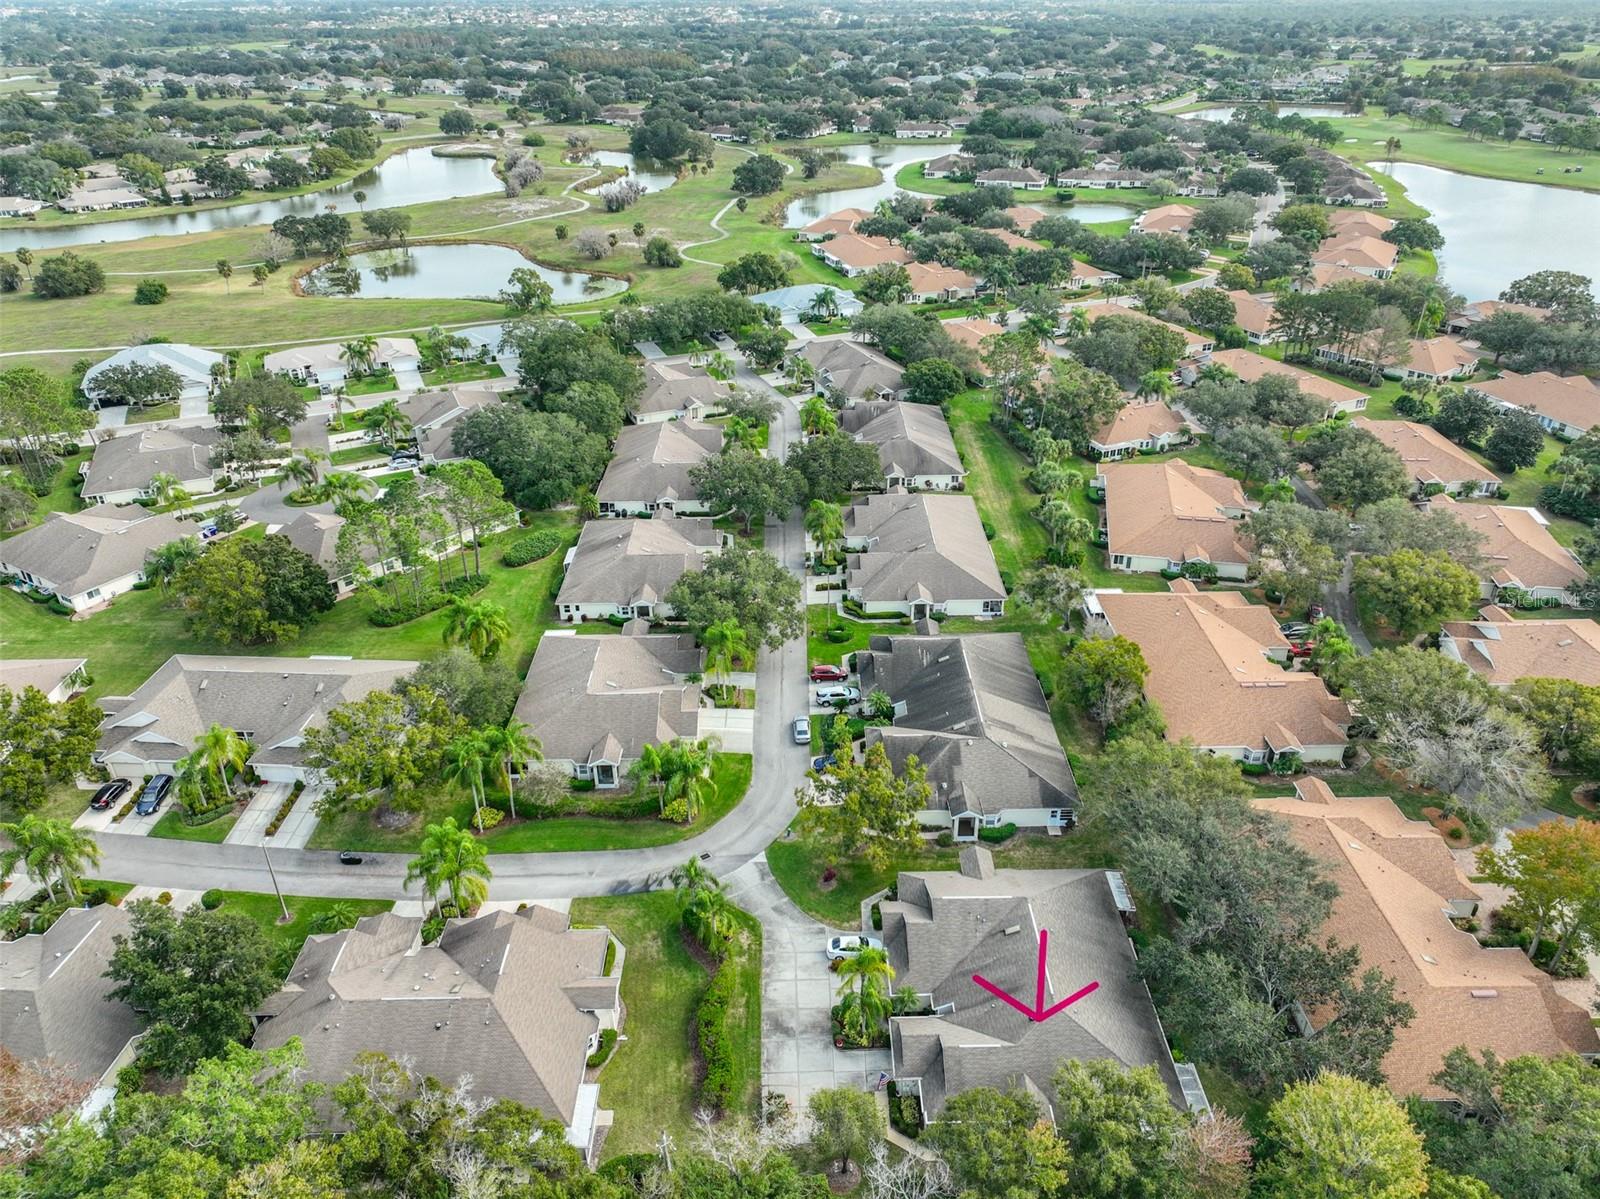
(844, 947)
(802, 730)
(827, 695)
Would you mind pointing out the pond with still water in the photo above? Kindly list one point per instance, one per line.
(652, 176)
(416, 176)
(1224, 112)
(448, 272)
(1496, 231)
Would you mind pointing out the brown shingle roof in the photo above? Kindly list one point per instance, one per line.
(1174, 511)
(1429, 455)
(1139, 422)
(1517, 548)
(1251, 367)
(1571, 399)
(1503, 649)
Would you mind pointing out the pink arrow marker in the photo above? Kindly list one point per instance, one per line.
(1038, 1013)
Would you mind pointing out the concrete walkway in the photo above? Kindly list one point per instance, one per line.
(251, 827)
(797, 997)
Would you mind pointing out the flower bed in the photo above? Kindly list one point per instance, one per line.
(284, 809)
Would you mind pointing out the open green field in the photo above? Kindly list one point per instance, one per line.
(142, 629)
(1456, 151)
(651, 1080)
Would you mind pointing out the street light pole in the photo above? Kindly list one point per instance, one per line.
(279, 890)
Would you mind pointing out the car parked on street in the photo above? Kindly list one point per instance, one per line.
(802, 730)
(824, 673)
(111, 793)
(153, 795)
(844, 947)
(832, 695)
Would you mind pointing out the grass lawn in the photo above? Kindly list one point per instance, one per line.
(152, 412)
(820, 649)
(264, 910)
(798, 864)
(1456, 151)
(63, 801)
(370, 385)
(651, 1080)
(357, 453)
(172, 826)
(464, 372)
(62, 496)
(140, 630)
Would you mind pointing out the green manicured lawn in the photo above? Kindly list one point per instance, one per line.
(118, 890)
(651, 1080)
(141, 630)
(63, 801)
(370, 385)
(172, 826)
(152, 412)
(264, 910)
(798, 865)
(356, 830)
(357, 453)
(464, 372)
(820, 649)
(1456, 151)
(62, 496)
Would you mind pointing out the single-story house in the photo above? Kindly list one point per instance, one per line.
(596, 702)
(650, 465)
(1323, 275)
(484, 345)
(835, 224)
(191, 364)
(1432, 359)
(55, 1005)
(943, 927)
(930, 281)
(1474, 314)
(19, 206)
(1350, 222)
(1502, 649)
(1194, 344)
(922, 555)
(1103, 179)
(1431, 458)
(858, 371)
(1518, 550)
(972, 712)
(1217, 674)
(853, 254)
(85, 559)
(1253, 314)
(1566, 405)
(1161, 515)
(1086, 274)
(1398, 888)
(1167, 218)
(798, 300)
(316, 535)
(270, 702)
(1358, 252)
(1015, 241)
(947, 165)
(913, 441)
(433, 416)
(325, 366)
(1150, 427)
(922, 129)
(125, 466)
(1024, 216)
(85, 198)
(972, 331)
(678, 391)
(510, 1004)
(57, 679)
(625, 567)
(1023, 178)
(1253, 367)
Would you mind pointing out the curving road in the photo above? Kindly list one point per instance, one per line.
(734, 840)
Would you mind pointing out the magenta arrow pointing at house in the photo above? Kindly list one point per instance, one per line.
(1038, 1013)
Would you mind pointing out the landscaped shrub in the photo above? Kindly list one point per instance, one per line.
(211, 900)
(716, 1049)
(1286, 764)
(996, 835)
(1253, 769)
(98, 896)
(1204, 572)
(531, 548)
(465, 584)
(677, 812)
(838, 635)
(582, 784)
(487, 818)
(608, 1042)
(59, 608)
(945, 839)
(616, 620)
(164, 898)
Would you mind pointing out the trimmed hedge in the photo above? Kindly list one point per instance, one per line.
(531, 548)
(996, 835)
(608, 1042)
(711, 1030)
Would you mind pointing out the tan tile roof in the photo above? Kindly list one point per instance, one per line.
(1086, 270)
(863, 253)
(1517, 547)
(1429, 455)
(1349, 221)
(970, 331)
(1440, 355)
(1173, 510)
(1572, 399)
(1482, 310)
(1357, 250)
(1503, 649)
(1252, 313)
(1025, 215)
(1015, 241)
(1138, 422)
(843, 221)
(1169, 218)
(1251, 367)
(1210, 674)
(1104, 308)
(1326, 274)
(931, 277)
(1391, 908)
(45, 674)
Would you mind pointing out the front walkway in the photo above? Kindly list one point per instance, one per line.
(797, 997)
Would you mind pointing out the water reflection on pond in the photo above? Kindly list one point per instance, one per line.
(447, 272)
(1224, 112)
(652, 176)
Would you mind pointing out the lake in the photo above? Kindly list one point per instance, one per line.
(1224, 112)
(449, 272)
(652, 176)
(415, 176)
(1496, 231)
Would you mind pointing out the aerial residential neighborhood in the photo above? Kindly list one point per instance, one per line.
(663, 601)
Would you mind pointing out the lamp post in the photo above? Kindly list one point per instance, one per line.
(285, 918)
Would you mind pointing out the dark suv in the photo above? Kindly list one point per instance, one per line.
(154, 795)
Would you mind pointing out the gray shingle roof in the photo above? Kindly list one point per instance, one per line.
(651, 462)
(853, 368)
(271, 700)
(498, 999)
(975, 717)
(911, 439)
(53, 993)
(191, 363)
(633, 561)
(945, 927)
(920, 546)
(134, 459)
(77, 551)
(45, 674)
(599, 698)
(672, 387)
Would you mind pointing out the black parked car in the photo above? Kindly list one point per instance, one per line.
(111, 793)
(154, 795)
(347, 858)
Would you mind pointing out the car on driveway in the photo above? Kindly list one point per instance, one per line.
(1302, 649)
(825, 761)
(110, 794)
(823, 673)
(832, 695)
(1294, 630)
(153, 795)
(844, 947)
(802, 731)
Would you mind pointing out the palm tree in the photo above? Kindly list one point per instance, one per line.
(389, 421)
(1056, 515)
(1077, 323)
(303, 469)
(650, 766)
(800, 370)
(479, 624)
(826, 304)
(165, 561)
(50, 851)
(719, 365)
(1391, 147)
(451, 857)
(259, 274)
(165, 489)
(869, 973)
(225, 269)
(465, 758)
(739, 431)
(725, 642)
(25, 260)
(708, 913)
(360, 197)
(512, 747)
(686, 774)
(191, 783)
(816, 417)
(217, 749)
(1156, 385)
(342, 486)
(880, 705)
(825, 522)
(358, 354)
(587, 504)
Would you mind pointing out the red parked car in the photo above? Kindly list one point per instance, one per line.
(1301, 649)
(823, 673)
